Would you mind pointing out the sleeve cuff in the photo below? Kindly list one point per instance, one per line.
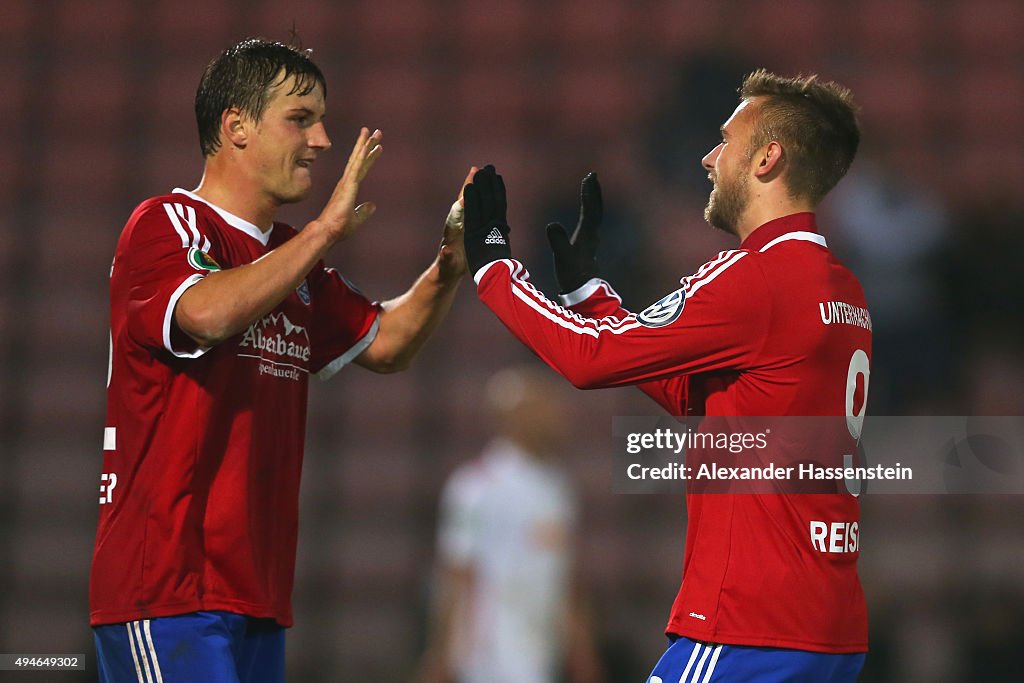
(584, 292)
(332, 368)
(479, 275)
(169, 315)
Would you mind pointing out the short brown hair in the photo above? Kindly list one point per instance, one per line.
(814, 121)
(242, 77)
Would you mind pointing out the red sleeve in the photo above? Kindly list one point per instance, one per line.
(597, 299)
(714, 321)
(344, 322)
(165, 251)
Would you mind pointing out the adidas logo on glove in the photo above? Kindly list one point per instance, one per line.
(495, 237)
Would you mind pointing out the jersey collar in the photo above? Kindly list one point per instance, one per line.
(797, 226)
(231, 219)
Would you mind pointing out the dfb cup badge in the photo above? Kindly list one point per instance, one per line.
(665, 311)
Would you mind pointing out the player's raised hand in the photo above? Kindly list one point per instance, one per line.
(451, 260)
(340, 217)
(576, 255)
(486, 228)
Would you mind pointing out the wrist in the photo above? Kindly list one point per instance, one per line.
(582, 292)
(319, 235)
(573, 273)
(443, 275)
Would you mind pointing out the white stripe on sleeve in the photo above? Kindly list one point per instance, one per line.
(694, 285)
(563, 317)
(188, 214)
(587, 290)
(176, 223)
(479, 275)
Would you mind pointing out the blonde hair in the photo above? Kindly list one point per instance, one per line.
(814, 121)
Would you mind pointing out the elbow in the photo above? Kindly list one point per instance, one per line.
(384, 363)
(582, 378)
(391, 366)
(201, 325)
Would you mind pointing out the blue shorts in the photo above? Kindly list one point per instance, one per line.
(690, 661)
(213, 647)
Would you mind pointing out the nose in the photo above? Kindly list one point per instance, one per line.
(708, 162)
(318, 137)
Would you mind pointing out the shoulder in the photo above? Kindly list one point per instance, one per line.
(728, 280)
(152, 219)
(172, 210)
(156, 207)
(171, 219)
(467, 483)
(733, 271)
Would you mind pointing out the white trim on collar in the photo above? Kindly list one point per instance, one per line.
(802, 235)
(231, 219)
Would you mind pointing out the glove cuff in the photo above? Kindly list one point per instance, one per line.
(478, 274)
(581, 293)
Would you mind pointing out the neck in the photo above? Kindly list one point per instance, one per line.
(766, 207)
(237, 194)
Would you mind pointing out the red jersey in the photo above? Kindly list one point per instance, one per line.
(203, 447)
(777, 327)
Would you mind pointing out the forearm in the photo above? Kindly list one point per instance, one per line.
(406, 322)
(226, 302)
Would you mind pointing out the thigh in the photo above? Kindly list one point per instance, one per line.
(260, 655)
(179, 649)
(688, 661)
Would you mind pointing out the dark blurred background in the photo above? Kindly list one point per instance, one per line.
(96, 115)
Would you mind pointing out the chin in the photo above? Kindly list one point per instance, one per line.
(294, 196)
(717, 221)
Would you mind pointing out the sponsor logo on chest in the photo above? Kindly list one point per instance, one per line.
(282, 346)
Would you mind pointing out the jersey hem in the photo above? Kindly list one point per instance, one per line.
(105, 617)
(761, 641)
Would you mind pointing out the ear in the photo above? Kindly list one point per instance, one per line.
(234, 128)
(769, 160)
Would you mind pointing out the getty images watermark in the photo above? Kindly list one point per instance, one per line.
(819, 455)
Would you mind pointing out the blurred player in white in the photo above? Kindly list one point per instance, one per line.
(507, 607)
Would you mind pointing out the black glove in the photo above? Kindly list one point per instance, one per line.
(576, 256)
(486, 236)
